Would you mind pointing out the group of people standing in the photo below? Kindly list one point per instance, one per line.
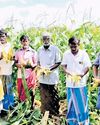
(75, 62)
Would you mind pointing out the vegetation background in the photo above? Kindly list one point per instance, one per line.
(89, 35)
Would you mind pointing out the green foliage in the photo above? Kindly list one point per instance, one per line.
(89, 35)
(25, 85)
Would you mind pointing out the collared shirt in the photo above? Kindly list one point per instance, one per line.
(76, 64)
(47, 58)
(97, 60)
(5, 67)
(28, 55)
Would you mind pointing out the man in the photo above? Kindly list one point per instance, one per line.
(49, 58)
(76, 65)
(6, 63)
(26, 57)
(96, 72)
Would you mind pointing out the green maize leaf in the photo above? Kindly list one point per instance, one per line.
(25, 85)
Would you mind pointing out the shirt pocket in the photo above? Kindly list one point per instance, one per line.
(81, 64)
(51, 59)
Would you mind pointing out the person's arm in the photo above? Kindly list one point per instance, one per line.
(96, 74)
(95, 71)
(32, 61)
(17, 64)
(64, 63)
(96, 66)
(1, 55)
(35, 60)
(55, 66)
(57, 60)
(65, 70)
(84, 72)
(86, 64)
(16, 58)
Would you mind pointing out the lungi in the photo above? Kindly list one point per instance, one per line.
(8, 99)
(77, 106)
(49, 99)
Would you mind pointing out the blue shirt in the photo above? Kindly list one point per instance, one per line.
(97, 60)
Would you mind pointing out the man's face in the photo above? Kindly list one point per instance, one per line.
(3, 39)
(25, 43)
(74, 47)
(46, 41)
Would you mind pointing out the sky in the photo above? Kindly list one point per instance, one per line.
(46, 13)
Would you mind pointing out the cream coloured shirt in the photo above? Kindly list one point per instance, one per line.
(5, 67)
(47, 58)
(76, 65)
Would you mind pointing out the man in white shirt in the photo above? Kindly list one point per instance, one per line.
(76, 65)
(6, 72)
(49, 57)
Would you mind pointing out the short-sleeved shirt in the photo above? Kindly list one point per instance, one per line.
(5, 67)
(76, 64)
(47, 58)
(28, 55)
(97, 60)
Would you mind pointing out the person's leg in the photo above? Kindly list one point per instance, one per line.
(71, 115)
(31, 83)
(49, 99)
(32, 99)
(20, 90)
(1, 90)
(8, 95)
(44, 97)
(98, 99)
(3, 112)
(80, 96)
(54, 100)
(1, 94)
(72, 122)
(77, 105)
(1, 106)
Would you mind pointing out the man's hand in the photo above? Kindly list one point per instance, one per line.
(19, 65)
(96, 80)
(81, 75)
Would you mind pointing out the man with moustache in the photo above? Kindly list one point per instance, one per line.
(49, 57)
